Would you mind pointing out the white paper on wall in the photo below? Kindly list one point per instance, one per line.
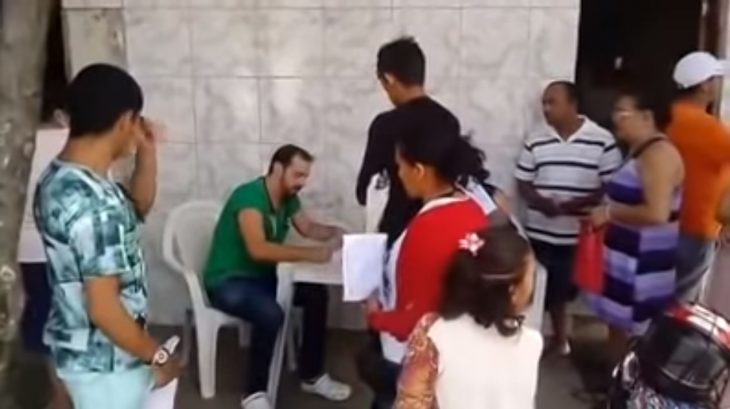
(363, 261)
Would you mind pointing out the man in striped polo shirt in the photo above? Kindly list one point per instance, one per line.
(560, 174)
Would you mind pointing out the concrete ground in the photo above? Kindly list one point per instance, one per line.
(558, 379)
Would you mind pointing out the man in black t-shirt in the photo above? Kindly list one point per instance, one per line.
(401, 69)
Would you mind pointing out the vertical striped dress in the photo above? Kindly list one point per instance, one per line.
(639, 261)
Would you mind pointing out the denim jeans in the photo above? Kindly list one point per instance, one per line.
(694, 259)
(253, 299)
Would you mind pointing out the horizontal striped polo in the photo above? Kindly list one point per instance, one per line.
(563, 169)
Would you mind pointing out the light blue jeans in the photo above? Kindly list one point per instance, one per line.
(126, 389)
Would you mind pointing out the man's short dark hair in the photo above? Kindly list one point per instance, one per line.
(286, 154)
(570, 90)
(98, 96)
(403, 59)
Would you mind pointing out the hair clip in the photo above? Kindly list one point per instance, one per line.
(471, 243)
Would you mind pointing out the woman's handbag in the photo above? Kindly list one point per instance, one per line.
(588, 267)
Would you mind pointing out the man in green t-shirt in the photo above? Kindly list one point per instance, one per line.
(240, 275)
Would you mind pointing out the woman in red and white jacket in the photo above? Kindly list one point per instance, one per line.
(434, 162)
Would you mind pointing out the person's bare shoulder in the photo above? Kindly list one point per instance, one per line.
(665, 157)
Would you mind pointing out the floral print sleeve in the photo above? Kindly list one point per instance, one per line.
(416, 387)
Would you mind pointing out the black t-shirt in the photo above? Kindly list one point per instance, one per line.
(380, 156)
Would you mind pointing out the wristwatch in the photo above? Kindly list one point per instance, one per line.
(161, 356)
(165, 351)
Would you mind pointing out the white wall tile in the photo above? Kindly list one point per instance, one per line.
(292, 42)
(292, 3)
(170, 101)
(426, 3)
(177, 174)
(74, 4)
(224, 166)
(151, 3)
(225, 42)
(223, 3)
(494, 42)
(227, 109)
(494, 3)
(356, 3)
(158, 41)
(351, 107)
(437, 31)
(100, 4)
(555, 3)
(352, 39)
(97, 35)
(446, 91)
(292, 111)
(493, 111)
(553, 42)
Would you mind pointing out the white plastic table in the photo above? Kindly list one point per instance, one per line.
(290, 274)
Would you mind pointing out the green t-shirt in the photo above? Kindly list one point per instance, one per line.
(228, 255)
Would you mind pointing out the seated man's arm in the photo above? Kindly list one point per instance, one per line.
(108, 314)
(251, 226)
(314, 230)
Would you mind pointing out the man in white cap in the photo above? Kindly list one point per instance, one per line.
(704, 143)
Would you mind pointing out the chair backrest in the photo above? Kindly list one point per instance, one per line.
(188, 235)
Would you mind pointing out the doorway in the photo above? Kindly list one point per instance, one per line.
(624, 42)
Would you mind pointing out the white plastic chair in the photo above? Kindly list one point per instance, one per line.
(185, 244)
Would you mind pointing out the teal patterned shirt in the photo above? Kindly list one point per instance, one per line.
(90, 230)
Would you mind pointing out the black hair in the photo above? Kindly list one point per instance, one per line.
(682, 93)
(403, 59)
(436, 141)
(98, 97)
(658, 102)
(286, 154)
(479, 283)
(571, 90)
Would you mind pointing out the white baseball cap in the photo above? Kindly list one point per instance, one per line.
(698, 67)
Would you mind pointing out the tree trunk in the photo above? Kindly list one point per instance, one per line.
(23, 31)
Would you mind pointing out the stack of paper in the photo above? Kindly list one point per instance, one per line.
(363, 261)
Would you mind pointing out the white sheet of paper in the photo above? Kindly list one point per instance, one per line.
(363, 261)
(162, 398)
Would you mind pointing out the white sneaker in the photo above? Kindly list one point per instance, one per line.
(258, 400)
(328, 388)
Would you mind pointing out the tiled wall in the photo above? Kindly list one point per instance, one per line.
(235, 78)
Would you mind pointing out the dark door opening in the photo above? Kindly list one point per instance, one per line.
(638, 42)
(54, 76)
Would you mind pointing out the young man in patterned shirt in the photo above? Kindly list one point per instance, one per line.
(90, 227)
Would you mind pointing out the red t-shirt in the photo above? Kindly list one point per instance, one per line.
(428, 248)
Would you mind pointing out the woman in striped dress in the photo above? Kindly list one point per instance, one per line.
(642, 215)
